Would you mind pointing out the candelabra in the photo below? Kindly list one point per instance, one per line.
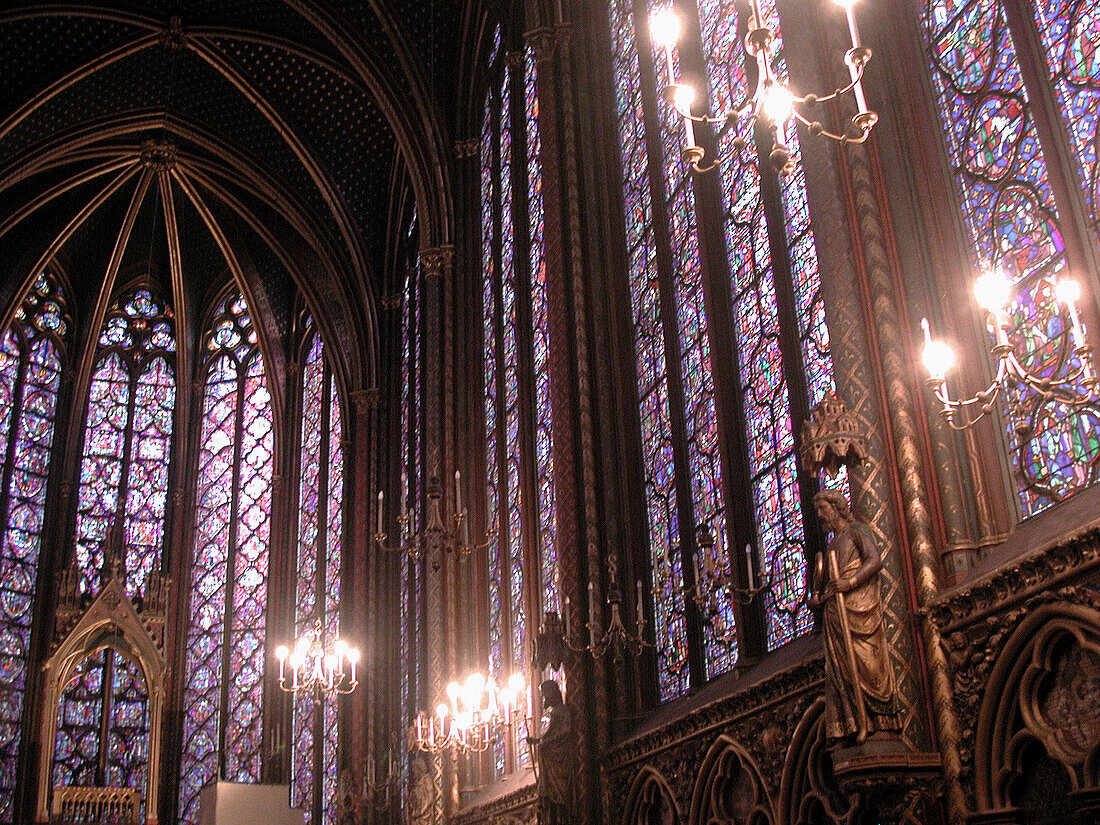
(712, 583)
(994, 293)
(615, 639)
(476, 710)
(435, 537)
(772, 104)
(317, 669)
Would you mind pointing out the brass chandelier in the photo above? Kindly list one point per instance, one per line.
(772, 103)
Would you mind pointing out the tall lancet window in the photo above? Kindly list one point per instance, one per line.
(128, 438)
(516, 369)
(769, 281)
(776, 334)
(317, 594)
(1000, 137)
(31, 350)
(224, 668)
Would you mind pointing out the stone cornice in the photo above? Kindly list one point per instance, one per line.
(510, 804)
(1048, 569)
(794, 681)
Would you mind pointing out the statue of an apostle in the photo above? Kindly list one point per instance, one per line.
(558, 751)
(860, 694)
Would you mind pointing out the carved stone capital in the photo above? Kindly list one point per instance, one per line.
(464, 149)
(436, 260)
(902, 785)
(367, 399)
(544, 43)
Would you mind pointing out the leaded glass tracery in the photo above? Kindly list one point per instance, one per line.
(30, 375)
(102, 735)
(128, 438)
(766, 398)
(222, 724)
(1009, 210)
(317, 591)
(522, 560)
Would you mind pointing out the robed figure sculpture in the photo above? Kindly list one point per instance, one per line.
(860, 694)
(558, 755)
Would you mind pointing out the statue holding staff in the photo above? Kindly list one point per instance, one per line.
(860, 694)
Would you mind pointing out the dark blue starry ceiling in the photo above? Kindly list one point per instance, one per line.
(276, 83)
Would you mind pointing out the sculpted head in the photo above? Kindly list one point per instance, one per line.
(832, 509)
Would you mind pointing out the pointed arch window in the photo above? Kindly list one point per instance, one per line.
(317, 591)
(31, 352)
(999, 68)
(776, 332)
(523, 575)
(128, 438)
(224, 667)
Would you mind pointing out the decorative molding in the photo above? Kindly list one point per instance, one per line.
(1027, 577)
(366, 399)
(521, 805)
(544, 42)
(465, 149)
(747, 705)
(434, 261)
(159, 155)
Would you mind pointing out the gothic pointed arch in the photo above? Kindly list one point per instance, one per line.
(808, 792)
(650, 801)
(1037, 744)
(730, 789)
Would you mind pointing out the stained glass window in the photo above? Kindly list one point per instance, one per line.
(1009, 208)
(103, 725)
(774, 284)
(223, 696)
(765, 386)
(523, 575)
(30, 373)
(317, 593)
(128, 438)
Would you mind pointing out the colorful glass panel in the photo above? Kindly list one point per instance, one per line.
(30, 374)
(1009, 211)
(540, 339)
(670, 627)
(127, 439)
(226, 630)
(1070, 34)
(79, 723)
(317, 589)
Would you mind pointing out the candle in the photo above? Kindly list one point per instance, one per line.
(458, 491)
(748, 566)
(568, 629)
(861, 101)
(380, 496)
(641, 604)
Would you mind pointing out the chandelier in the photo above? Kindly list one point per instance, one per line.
(475, 712)
(317, 669)
(772, 104)
(994, 293)
(435, 537)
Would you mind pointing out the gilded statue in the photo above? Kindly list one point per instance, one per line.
(860, 692)
(558, 758)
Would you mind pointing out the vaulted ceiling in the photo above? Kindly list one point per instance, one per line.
(268, 136)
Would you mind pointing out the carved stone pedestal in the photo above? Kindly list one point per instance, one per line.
(900, 784)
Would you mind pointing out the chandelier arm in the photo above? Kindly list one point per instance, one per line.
(835, 93)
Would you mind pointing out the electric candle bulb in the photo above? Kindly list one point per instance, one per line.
(340, 647)
(938, 359)
(778, 103)
(1068, 291)
(281, 652)
(993, 291)
(664, 28)
(353, 655)
(683, 97)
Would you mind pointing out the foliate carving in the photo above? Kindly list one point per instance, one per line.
(520, 806)
(437, 260)
(832, 438)
(367, 399)
(998, 590)
(158, 154)
(173, 36)
(1068, 715)
(465, 149)
(543, 42)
